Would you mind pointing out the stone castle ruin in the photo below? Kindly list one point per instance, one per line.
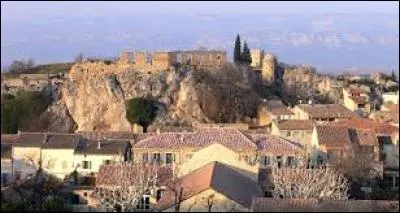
(167, 60)
(265, 63)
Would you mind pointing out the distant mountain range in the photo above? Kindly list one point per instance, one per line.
(330, 42)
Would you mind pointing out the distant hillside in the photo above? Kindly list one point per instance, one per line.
(50, 68)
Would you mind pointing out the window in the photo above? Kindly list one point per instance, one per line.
(160, 193)
(331, 119)
(145, 157)
(289, 161)
(288, 133)
(107, 162)
(17, 175)
(279, 160)
(168, 158)
(361, 106)
(144, 202)
(188, 157)
(156, 158)
(86, 164)
(267, 160)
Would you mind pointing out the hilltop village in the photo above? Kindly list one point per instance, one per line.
(256, 136)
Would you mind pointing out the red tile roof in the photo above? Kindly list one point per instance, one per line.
(262, 204)
(230, 138)
(110, 175)
(281, 111)
(9, 138)
(333, 135)
(214, 176)
(369, 124)
(296, 125)
(275, 144)
(327, 111)
(364, 137)
(359, 99)
(392, 107)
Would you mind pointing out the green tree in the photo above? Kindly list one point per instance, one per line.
(237, 50)
(140, 111)
(245, 56)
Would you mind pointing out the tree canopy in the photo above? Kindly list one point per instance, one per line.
(237, 50)
(140, 111)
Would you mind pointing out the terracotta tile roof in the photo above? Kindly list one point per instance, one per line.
(359, 99)
(296, 125)
(31, 139)
(385, 116)
(391, 107)
(92, 135)
(327, 111)
(281, 111)
(230, 138)
(369, 124)
(61, 141)
(9, 138)
(109, 174)
(111, 147)
(262, 204)
(364, 137)
(275, 144)
(214, 176)
(333, 135)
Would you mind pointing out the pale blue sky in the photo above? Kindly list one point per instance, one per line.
(334, 35)
(21, 10)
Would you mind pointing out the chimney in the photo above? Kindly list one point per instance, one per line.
(98, 145)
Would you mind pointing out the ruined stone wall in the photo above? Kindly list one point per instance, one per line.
(202, 59)
(268, 68)
(256, 58)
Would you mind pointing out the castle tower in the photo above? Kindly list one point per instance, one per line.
(268, 68)
(256, 58)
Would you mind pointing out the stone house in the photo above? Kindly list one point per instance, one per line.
(357, 100)
(207, 189)
(94, 153)
(295, 130)
(322, 112)
(391, 97)
(7, 141)
(330, 141)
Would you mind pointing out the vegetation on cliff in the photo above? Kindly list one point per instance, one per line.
(21, 111)
(140, 111)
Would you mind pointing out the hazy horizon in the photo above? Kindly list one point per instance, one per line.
(332, 36)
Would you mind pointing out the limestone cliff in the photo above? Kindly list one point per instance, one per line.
(95, 96)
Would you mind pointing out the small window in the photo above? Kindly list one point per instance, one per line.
(156, 158)
(87, 164)
(160, 193)
(279, 160)
(107, 162)
(168, 158)
(361, 106)
(145, 157)
(17, 175)
(188, 157)
(267, 160)
(289, 161)
(288, 133)
(144, 202)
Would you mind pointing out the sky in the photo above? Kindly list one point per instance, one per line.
(56, 31)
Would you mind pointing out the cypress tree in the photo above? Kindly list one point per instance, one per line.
(246, 56)
(236, 52)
